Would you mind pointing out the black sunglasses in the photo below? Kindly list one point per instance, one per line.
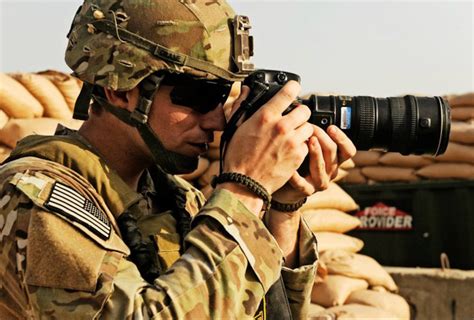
(200, 95)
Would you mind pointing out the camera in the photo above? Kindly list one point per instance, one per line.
(408, 125)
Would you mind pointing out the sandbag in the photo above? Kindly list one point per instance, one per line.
(396, 159)
(332, 220)
(461, 100)
(331, 198)
(17, 129)
(358, 266)
(46, 93)
(66, 84)
(203, 165)
(314, 309)
(390, 302)
(457, 153)
(355, 176)
(335, 290)
(366, 158)
(341, 174)
(321, 272)
(462, 132)
(3, 119)
(447, 171)
(348, 164)
(382, 173)
(4, 152)
(462, 114)
(355, 312)
(212, 170)
(337, 241)
(16, 101)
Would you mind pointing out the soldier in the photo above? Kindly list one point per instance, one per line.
(95, 223)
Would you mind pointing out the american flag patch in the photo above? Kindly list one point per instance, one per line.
(70, 203)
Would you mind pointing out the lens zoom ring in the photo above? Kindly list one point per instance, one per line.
(367, 122)
(403, 124)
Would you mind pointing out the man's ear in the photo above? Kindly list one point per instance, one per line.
(123, 99)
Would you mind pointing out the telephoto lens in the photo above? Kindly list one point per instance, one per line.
(408, 125)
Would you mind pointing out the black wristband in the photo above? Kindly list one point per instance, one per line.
(247, 182)
(287, 207)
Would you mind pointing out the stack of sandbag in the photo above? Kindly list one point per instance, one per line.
(348, 283)
(456, 163)
(34, 103)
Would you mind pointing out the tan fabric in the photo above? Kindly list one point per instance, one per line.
(366, 158)
(330, 220)
(457, 153)
(17, 129)
(461, 100)
(356, 312)
(348, 164)
(355, 176)
(314, 309)
(462, 132)
(67, 85)
(203, 165)
(211, 171)
(16, 100)
(331, 198)
(46, 93)
(335, 290)
(3, 118)
(321, 272)
(390, 302)
(382, 173)
(336, 241)
(447, 171)
(396, 159)
(462, 114)
(358, 266)
(4, 152)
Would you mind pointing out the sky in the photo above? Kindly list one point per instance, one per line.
(379, 48)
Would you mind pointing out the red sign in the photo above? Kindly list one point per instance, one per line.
(383, 217)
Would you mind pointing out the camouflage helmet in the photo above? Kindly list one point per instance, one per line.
(117, 43)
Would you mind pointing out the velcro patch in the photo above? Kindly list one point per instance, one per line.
(71, 204)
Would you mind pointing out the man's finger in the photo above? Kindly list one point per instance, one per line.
(329, 149)
(283, 98)
(346, 148)
(317, 166)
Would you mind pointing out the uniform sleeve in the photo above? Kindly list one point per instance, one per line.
(230, 262)
(299, 281)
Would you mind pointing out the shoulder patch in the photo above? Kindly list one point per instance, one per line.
(71, 204)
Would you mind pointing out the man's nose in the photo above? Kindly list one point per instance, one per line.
(213, 120)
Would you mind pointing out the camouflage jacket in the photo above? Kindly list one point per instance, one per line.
(61, 262)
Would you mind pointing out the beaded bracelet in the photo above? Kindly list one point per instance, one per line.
(247, 182)
(287, 207)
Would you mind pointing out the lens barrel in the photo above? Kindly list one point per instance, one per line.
(409, 124)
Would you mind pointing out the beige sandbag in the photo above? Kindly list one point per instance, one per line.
(3, 119)
(355, 312)
(17, 129)
(46, 93)
(67, 85)
(462, 132)
(335, 290)
(462, 114)
(217, 140)
(396, 159)
(358, 266)
(355, 176)
(4, 152)
(332, 220)
(447, 171)
(212, 170)
(16, 101)
(341, 174)
(207, 191)
(461, 100)
(457, 153)
(337, 241)
(213, 154)
(390, 302)
(203, 165)
(331, 198)
(382, 173)
(366, 158)
(314, 309)
(321, 272)
(348, 164)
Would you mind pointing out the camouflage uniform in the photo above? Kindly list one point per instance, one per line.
(55, 267)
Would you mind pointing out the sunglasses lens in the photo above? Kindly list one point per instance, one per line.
(200, 95)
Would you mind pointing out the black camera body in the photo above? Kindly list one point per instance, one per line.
(409, 124)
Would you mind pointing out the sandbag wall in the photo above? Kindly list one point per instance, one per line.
(34, 103)
(456, 163)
